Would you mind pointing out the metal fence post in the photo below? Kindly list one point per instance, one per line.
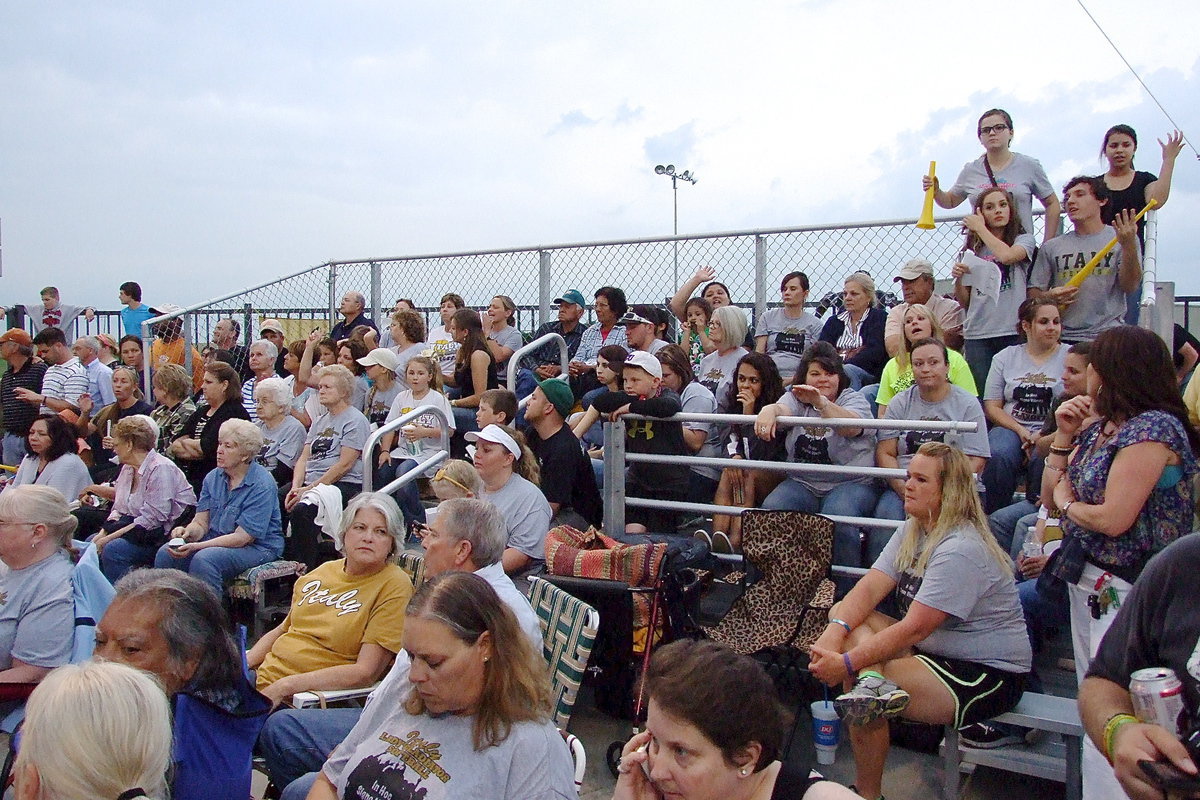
(188, 345)
(614, 477)
(760, 276)
(376, 290)
(247, 324)
(147, 361)
(545, 293)
(331, 278)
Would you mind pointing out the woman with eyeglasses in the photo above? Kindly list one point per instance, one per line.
(1000, 166)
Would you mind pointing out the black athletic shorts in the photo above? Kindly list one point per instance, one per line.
(979, 692)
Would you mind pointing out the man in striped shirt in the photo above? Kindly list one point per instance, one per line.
(65, 379)
(16, 347)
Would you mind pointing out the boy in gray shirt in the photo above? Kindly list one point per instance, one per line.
(1099, 302)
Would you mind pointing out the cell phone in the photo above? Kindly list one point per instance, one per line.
(1166, 775)
(646, 763)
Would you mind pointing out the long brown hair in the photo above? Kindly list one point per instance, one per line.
(468, 320)
(516, 683)
(1011, 231)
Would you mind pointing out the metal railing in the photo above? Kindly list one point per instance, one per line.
(615, 459)
(423, 463)
(536, 344)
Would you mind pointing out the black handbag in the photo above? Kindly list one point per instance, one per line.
(1065, 564)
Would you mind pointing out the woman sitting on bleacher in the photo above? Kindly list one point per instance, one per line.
(347, 616)
(932, 398)
(959, 653)
(236, 526)
(332, 456)
(821, 388)
(919, 323)
(472, 714)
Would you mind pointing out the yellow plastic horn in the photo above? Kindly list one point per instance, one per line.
(925, 223)
(1096, 259)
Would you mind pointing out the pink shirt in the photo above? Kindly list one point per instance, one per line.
(161, 494)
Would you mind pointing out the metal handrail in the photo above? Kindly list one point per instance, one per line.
(422, 463)
(515, 359)
(937, 426)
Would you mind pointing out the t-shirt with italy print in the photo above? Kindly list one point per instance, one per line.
(1100, 302)
(404, 403)
(332, 615)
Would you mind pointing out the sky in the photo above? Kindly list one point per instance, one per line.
(200, 148)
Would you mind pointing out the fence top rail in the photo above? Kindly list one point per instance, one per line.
(822, 422)
(832, 226)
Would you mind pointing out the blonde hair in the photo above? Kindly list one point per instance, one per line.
(435, 372)
(455, 474)
(904, 357)
(527, 465)
(866, 282)
(516, 683)
(960, 508)
(97, 729)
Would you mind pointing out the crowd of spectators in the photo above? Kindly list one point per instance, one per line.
(259, 454)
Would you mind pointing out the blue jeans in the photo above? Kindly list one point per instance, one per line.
(215, 565)
(121, 555)
(859, 377)
(526, 383)
(845, 500)
(295, 742)
(980, 352)
(407, 496)
(1007, 525)
(15, 450)
(1003, 469)
(890, 506)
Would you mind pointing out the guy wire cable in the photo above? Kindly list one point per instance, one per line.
(1166, 113)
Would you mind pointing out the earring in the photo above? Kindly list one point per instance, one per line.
(743, 772)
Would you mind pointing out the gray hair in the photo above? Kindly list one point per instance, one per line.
(358, 297)
(477, 522)
(385, 505)
(245, 434)
(40, 505)
(97, 729)
(866, 282)
(267, 346)
(194, 625)
(734, 323)
(90, 342)
(274, 390)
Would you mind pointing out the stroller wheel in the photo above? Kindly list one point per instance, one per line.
(613, 757)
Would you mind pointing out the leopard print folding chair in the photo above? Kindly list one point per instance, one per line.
(785, 610)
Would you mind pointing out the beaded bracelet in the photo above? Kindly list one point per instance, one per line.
(1114, 724)
(1060, 451)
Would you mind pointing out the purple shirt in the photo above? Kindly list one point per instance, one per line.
(161, 494)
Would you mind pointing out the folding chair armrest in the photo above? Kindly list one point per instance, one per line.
(323, 699)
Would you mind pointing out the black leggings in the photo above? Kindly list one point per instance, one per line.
(305, 545)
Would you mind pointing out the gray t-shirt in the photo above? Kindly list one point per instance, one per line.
(716, 370)
(697, 399)
(526, 514)
(37, 613)
(826, 445)
(392, 754)
(1027, 388)
(283, 444)
(442, 348)
(958, 406)
(379, 402)
(328, 435)
(987, 318)
(508, 337)
(1100, 303)
(962, 579)
(787, 337)
(1023, 176)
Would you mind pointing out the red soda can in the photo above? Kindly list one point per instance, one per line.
(1157, 697)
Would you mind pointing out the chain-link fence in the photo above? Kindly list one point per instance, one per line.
(750, 263)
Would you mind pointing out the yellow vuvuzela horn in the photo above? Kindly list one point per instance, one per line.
(1091, 265)
(925, 223)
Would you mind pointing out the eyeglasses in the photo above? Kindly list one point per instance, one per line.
(986, 129)
(441, 475)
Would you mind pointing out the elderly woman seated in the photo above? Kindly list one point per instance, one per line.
(237, 525)
(173, 626)
(172, 392)
(37, 625)
(351, 642)
(151, 494)
(283, 435)
(95, 730)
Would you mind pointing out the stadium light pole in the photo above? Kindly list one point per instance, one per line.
(686, 175)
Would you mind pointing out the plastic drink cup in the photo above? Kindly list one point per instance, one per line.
(827, 730)
(412, 445)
